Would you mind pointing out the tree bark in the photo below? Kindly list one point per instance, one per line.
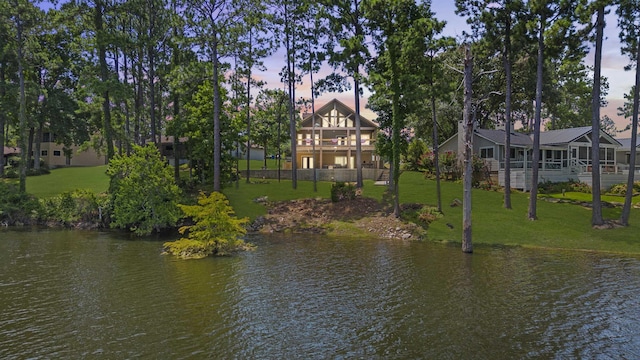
(217, 139)
(626, 209)
(467, 246)
(533, 195)
(596, 208)
(507, 120)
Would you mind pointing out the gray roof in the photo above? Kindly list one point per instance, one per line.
(563, 136)
(626, 143)
(497, 136)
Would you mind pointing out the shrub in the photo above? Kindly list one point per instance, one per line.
(142, 193)
(342, 191)
(621, 189)
(216, 229)
(415, 151)
(15, 206)
(74, 206)
(429, 214)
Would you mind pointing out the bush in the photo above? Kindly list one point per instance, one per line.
(621, 189)
(17, 207)
(216, 230)
(429, 214)
(342, 191)
(142, 193)
(75, 206)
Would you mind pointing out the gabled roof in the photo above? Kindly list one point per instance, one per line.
(498, 137)
(342, 108)
(563, 136)
(626, 143)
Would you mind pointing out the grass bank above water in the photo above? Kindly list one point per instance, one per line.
(559, 225)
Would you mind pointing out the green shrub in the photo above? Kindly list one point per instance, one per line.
(621, 189)
(342, 191)
(143, 193)
(17, 207)
(216, 229)
(75, 206)
(428, 214)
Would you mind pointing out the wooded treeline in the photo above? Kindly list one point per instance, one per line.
(111, 74)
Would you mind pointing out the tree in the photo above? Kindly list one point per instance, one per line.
(143, 192)
(467, 122)
(216, 229)
(399, 31)
(596, 213)
(213, 23)
(348, 51)
(270, 105)
(628, 21)
(496, 21)
(555, 19)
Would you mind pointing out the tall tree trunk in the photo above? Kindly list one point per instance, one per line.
(533, 198)
(217, 103)
(436, 151)
(249, 104)
(3, 116)
(104, 77)
(313, 120)
(626, 209)
(507, 120)
(596, 212)
(396, 128)
(137, 126)
(356, 85)
(37, 140)
(291, 83)
(467, 245)
(22, 139)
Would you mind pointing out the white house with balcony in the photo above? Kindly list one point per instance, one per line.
(328, 140)
(564, 155)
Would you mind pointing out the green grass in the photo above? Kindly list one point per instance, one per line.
(565, 226)
(67, 179)
(561, 226)
(579, 196)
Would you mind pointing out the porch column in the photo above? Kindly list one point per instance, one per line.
(351, 164)
(321, 148)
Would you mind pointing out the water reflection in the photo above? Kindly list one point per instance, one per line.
(77, 294)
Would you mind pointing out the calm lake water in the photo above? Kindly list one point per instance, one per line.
(67, 294)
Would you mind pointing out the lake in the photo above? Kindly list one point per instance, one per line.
(77, 294)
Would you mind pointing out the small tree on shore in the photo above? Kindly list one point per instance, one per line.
(144, 195)
(216, 229)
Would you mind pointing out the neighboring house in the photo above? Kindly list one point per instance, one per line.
(10, 151)
(623, 154)
(564, 155)
(53, 154)
(333, 135)
(169, 153)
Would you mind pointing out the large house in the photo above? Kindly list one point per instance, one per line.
(53, 154)
(564, 155)
(328, 140)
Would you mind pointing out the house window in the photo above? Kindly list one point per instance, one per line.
(56, 152)
(44, 153)
(486, 153)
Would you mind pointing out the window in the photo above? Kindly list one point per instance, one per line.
(486, 153)
(44, 153)
(56, 152)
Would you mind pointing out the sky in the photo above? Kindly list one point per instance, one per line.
(620, 81)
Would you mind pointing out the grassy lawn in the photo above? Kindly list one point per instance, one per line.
(559, 225)
(67, 179)
(564, 226)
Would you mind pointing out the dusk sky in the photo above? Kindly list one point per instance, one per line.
(620, 81)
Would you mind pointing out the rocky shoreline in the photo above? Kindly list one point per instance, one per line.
(321, 216)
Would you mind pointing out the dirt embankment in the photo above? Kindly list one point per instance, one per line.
(321, 216)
